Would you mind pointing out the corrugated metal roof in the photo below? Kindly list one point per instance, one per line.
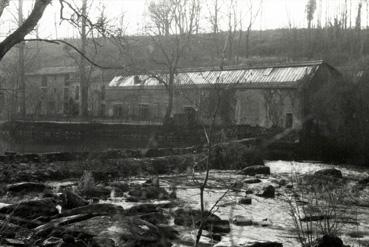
(268, 75)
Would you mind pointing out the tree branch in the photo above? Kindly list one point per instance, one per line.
(3, 5)
(27, 26)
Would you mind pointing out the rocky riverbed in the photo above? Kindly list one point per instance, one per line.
(248, 208)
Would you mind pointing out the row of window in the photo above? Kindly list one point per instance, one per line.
(44, 85)
(44, 80)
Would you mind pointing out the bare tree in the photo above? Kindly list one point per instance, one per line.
(310, 11)
(27, 26)
(78, 18)
(173, 24)
(253, 14)
(82, 63)
(21, 79)
(214, 19)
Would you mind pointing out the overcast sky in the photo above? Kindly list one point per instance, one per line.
(273, 14)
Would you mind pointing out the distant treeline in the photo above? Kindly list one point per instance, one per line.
(347, 49)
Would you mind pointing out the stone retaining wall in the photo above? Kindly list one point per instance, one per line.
(103, 135)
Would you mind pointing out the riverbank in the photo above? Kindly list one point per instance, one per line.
(156, 193)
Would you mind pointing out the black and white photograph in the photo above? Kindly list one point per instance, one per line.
(184, 123)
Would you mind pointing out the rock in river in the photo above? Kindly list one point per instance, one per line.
(71, 200)
(245, 200)
(254, 170)
(268, 192)
(329, 172)
(265, 244)
(240, 220)
(192, 217)
(329, 241)
(27, 187)
(32, 209)
(121, 230)
(252, 181)
(96, 209)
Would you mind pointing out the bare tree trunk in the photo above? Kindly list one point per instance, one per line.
(247, 43)
(82, 65)
(169, 111)
(21, 82)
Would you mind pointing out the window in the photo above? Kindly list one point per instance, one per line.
(76, 93)
(289, 120)
(66, 94)
(190, 114)
(143, 110)
(117, 110)
(102, 92)
(43, 92)
(102, 110)
(66, 80)
(51, 107)
(44, 81)
(66, 107)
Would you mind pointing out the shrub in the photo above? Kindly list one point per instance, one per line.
(86, 182)
(316, 207)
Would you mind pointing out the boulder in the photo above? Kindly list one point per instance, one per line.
(251, 181)
(141, 209)
(249, 191)
(45, 230)
(265, 244)
(148, 192)
(289, 186)
(268, 192)
(121, 230)
(8, 229)
(364, 181)
(155, 218)
(318, 217)
(95, 209)
(329, 241)
(264, 223)
(282, 182)
(254, 170)
(132, 199)
(12, 242)
(245, 201)
(98, 191)
(52, 241)
(192, 217)
(33, 209)
(71, 200)
(9, 218)
(240, 220)
(103, 242)
(237, 186)
(124, 187)
(152, 182)
(27, 187)
(329, 172)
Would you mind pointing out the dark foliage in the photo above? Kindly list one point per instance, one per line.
(235, 156)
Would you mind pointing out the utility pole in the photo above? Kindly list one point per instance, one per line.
(82, 65)
(21, 81)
